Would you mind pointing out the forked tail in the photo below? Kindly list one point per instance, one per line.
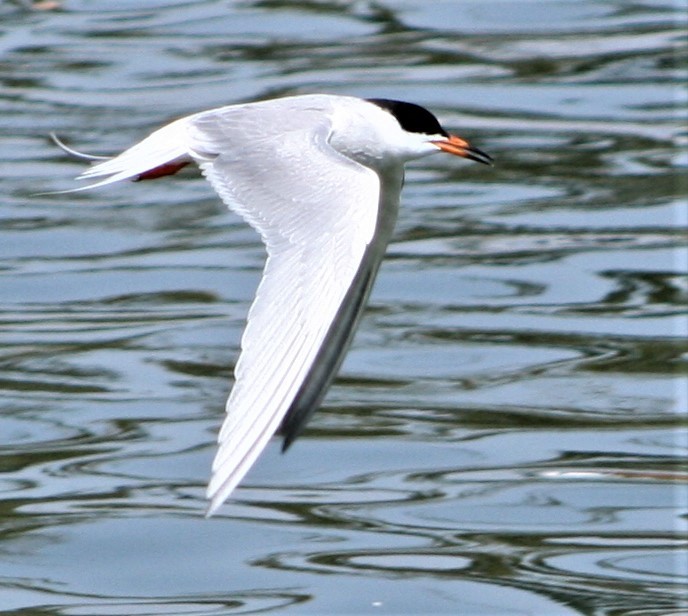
(164, 152)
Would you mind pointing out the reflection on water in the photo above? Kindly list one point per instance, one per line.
(508, 432)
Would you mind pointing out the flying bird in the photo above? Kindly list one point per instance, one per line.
(318, 177)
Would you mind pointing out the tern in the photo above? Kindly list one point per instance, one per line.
(319, 178)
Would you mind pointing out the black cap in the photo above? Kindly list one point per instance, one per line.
(412, 118)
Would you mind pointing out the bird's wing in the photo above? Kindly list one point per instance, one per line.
(316, 211)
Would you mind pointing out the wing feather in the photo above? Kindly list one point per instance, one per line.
(317, 212)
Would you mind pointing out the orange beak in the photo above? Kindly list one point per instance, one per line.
(460, 147)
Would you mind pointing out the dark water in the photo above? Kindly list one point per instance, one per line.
(508, 434)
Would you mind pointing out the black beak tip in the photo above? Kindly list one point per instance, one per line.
(479, 156)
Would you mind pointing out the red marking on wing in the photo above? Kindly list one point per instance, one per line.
(162, 170)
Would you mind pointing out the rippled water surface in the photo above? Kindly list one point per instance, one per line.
(507, 435)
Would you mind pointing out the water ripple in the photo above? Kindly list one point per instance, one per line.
(507, 434)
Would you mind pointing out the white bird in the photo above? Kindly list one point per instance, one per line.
(319, 177)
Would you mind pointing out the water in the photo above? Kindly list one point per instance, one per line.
(508, 434)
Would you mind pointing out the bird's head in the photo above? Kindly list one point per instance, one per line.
(422, 134)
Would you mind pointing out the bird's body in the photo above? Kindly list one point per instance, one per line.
(319, 178)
